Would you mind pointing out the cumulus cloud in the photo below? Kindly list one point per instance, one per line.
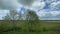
(41, 13)
(50, 1)
(9, 4)
(26, 2)
(14, 4)
(38, 5)
(55, 5)
(31, 4)
(55, 13)
(44, 13)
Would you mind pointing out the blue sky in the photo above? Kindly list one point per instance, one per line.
(45, 9)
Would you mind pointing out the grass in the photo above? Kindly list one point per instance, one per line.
(22, 27)
(16, 32)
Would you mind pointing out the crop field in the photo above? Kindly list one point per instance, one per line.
(24, 27)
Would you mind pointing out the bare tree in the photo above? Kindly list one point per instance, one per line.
(12, 15)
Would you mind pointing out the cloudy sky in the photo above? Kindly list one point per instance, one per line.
(45, 9)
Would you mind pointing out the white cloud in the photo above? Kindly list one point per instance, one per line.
(38, 5)
(35, 5)
(55, 13)
(3, 13)
(50, 1)
(55, 5)
(14, 4)
(43, 13)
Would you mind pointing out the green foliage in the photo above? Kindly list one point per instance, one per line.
(24, 28)
(31, 15)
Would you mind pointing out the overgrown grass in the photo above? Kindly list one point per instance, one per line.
(22, 27)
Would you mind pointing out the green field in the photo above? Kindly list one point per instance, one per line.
(22, 27)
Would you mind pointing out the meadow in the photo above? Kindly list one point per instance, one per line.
(25, 27)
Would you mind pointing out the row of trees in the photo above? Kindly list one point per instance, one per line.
(30, 17)
(13, 15)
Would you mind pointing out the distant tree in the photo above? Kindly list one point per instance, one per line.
(7, 17)
(12, 15)
(32, 20)
(32, 17)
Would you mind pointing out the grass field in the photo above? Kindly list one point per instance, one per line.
(22, 27)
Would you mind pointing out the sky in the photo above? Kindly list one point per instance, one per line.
(45, 9)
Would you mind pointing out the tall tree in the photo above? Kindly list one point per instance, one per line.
(32, 20)
(31, 17)
(7, 17)
(12, 15)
